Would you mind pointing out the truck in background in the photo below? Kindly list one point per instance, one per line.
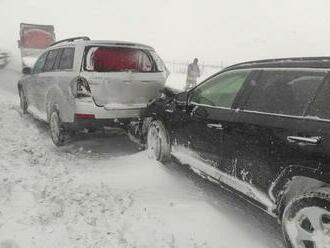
(34, 38)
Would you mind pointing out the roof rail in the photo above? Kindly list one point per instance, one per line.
(284, 61)
(70, 40)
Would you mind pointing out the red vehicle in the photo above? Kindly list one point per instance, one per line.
(33, 40)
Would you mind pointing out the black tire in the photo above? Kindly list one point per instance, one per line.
(57, 131)
(158, 141)
(301, 225)
(22, 100)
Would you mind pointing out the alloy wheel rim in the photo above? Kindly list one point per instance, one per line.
(55, 126)
(153, 142)
(310, 228)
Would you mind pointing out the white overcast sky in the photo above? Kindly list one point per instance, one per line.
(216, 31)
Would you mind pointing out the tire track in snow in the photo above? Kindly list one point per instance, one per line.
(42, 200)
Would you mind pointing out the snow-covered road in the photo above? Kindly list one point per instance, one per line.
(102, 191)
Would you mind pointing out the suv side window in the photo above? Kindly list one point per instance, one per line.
(320, 107)
(220, 90)
(39, 65)
(50, 60)
(286, 92)
(67, 57)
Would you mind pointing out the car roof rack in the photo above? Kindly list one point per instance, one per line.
(293, 62)
(70, 40)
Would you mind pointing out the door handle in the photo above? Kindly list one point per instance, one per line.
(216, 126)
(304, 140)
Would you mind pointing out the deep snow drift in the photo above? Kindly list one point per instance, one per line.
(102, 191)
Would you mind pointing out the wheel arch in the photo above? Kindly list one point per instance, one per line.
(294, 181)
(51, 102)
(56, 98)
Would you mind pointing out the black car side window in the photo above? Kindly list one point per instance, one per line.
(67, 57)
(50, 60)
(287, 92)
(320, 107)
(39, 65)
(220, 90)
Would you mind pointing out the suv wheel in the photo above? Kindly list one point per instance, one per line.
(158, 143)
(306, 221)
(22, 100)
(57, 131)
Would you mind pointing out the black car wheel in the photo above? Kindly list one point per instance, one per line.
(306, 221)
(158, 143)
(22, 100)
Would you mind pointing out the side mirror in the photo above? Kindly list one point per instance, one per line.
(181, 99)
(27, 70)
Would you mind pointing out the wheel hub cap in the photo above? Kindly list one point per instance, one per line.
(310, 228)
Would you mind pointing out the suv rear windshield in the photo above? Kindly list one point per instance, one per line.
(286, 92)
(117, 59)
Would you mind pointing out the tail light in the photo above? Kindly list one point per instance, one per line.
(80, 88)
(84, 116)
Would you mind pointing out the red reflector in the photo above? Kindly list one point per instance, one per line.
(84, 116)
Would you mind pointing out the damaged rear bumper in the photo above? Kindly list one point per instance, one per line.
(89, 115)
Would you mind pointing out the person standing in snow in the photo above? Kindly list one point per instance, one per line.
(193, 73)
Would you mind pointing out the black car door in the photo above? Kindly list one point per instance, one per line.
(266, 128)
(201, 138)
(316, 132)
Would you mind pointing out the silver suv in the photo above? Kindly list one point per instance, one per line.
(79, 84)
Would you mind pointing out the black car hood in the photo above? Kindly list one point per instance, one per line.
(170, 92)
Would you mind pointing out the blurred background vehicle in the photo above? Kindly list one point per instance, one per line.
(34, 39)
(4, 58)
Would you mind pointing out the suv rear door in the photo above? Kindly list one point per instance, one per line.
(267, 126)
(123, 77)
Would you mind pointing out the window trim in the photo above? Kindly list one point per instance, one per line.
(305, 117)
(209, 106)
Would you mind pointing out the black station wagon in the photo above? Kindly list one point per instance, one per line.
(262, 129)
